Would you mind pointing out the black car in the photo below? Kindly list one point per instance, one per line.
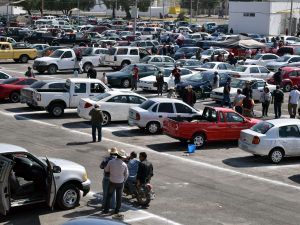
(201, 83)
(40, 37)
(185, 52)
(72, 38)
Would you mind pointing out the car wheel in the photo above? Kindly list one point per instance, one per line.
(14, 97)
(68, 197)
(199, 94)
(153, 127)
(276, 155)
(199, 140)
(86, 67)
(126, 83)
(165, 87)
(52, 69)
(287, 88)
(106, 118)
(124, 64)
(205, 60)
(23, 58)
(57, 110)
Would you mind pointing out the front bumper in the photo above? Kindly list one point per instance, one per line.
(86, 187)
(40, 67)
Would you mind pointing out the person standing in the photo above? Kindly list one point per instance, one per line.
(238, 101)
(265, 100)
(145, 170)
(104, 78)
(135, 77)
(216, 80)
(293, 101)
(159, 82)
(277, 77)
(226, 93)
(118, 171)
(248, 105)
(97, 120)
(92, 73)
(277, 99)
(176, 74)
(189, 96)
(198, 54)
(247, 90)
(105, 180)
(29, 73)
(133, 166)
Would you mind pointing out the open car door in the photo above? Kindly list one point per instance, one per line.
(5, 170)
(51, 186)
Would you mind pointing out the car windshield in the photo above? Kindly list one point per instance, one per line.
(196, 77)
(38, 84)
(207, 52)
(257, 57)
(240, 69)
(262, 127)
(283, 58)
(127, 68)
(208, 65)
(10, 81)
(100, 97)
(57, 54)
(147, 104)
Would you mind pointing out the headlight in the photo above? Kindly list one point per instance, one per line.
(85, 176)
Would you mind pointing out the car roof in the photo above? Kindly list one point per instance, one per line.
(289, 68)
(7, 148)
(167, 100)
(283, 122)
(87, 80)
(124, 92)
(250, 78)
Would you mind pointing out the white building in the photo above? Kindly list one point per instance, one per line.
(268, 18)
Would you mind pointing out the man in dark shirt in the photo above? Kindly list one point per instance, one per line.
(97, 120)
(277, 99)
(226, 93)
(145, 170)
(92, 73)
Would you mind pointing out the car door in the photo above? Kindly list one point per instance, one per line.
(67, 61)
(293, 76)
(289, 137)
(168, 61)
(257, 89)
(134, 55)
(165, 110)
(5, 171)
(157, 60)
(254, 72)
(234, 123)
(51, 185)
(96, 89)
(116, 107)
(80, 91)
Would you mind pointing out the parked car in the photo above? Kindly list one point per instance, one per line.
(40, 48)
(27, 179)
(153, 112)
(148, 44)
(262, 59)
(7, 51)
(185, 52)
(207, 54)
(159, 60)
(273, 138)
(10, 88)
(188, 63)
(215, 124)
(114, 105)
(122, 78)
(252, 71)
(4, 76)
(291, 50)
(286, 60)
(215, 66)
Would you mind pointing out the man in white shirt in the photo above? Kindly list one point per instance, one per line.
(293, 101)
(118, 174)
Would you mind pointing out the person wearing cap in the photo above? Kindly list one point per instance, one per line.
(293, 101)
(97, 120)
(277, 99)
(29, 72)
(189, 96)
(118, 174)
(105, 180)
(135, 77)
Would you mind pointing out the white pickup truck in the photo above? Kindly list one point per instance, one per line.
(65, 59)
(56, 101)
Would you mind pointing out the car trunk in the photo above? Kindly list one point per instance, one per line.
(247, 136)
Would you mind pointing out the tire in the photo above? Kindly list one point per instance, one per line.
(125, 63)
(106, 118)
(256, 156)
(199, 140)
(165, 87)
(199, 94)
(14, 97)
(41, 71)
(153, 127)
(125, 83)
(276, 155)
(68, 197)
(57, 110)
(23, 58)
(287, 87)
(205, 60)
(52, 69)
(86, 67)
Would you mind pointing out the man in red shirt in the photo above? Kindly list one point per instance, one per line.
(135, 77)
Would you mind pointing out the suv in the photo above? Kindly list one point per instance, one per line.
(26, 179)
(120, 57)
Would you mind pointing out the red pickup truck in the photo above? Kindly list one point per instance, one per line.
(215, 124)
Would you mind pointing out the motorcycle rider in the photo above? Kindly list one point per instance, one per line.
(145, 170)
(133, 166)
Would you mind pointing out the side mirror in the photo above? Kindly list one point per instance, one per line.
(56, 169)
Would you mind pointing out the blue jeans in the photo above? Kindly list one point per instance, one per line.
(131, 182)
(98, 127)
(226, 98)
(118, 189)
(105, 186)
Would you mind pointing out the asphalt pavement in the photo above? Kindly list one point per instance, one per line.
(217, 185)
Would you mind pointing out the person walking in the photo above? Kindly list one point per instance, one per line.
(265, 100)
(189, 96)
(226, 93)
(135, 78)
(293, 101)
(176, 74)
(159, 82)
(92, 73)
(277, 99)
(216, 80)
(277, 77)
(104, 78)
(97, 120)
(105, 180)
(118, 171)
(238, 101)
(29, 73)
(248, 105)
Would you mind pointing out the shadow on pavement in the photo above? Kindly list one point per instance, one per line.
(23, 109)
(79, 143)
(295, 178)
(132, 133)
(45, 115)
(79, 124)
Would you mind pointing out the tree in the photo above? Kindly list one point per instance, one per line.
(66, 5)
(210, 4)
(29, 5)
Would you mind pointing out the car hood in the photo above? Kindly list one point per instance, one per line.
(251, 61)
(66, 164)
(46, 59)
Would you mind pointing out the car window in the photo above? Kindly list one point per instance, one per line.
(154, 109)
(3, 76)
(135, 99)
(181, 108)
(150, 68)
(167, 59)
(222, 67)
(67, 54)
(119, 99)
(210, 114)
(134, 52)
(267, 57)
(57, 85)
(289, 131)
(80, 88)
(262, 127)
(254, 70)
(166, 108)
(293, 74)
(97, 88)
(296, 59)
(185, 72)
(233, 117)
(261, 84)
(147, 104)
(156, 59)
(122, 51)
(222, 118)
(149, 43)
(263, 70)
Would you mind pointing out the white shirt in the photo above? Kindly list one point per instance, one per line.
(294, 97)
(118, 171)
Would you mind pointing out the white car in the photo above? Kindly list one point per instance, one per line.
(253, 71)
(159, 60)
(114, 105)
(4, 76)
(273, 138)
(151, 113)
(147, 83)
(206, 54)
(257, 85)
(215, 66)
(262, 59)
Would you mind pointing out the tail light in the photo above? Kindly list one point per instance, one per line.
(137, 116)
(87, 105)
(255, 140)
(38, 97)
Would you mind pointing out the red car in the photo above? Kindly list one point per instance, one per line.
(290, 77)
(215, 124)
(10, 88)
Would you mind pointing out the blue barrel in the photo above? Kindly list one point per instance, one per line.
(191, 148)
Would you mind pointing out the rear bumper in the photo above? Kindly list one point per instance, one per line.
(86, 187)
(253, 149)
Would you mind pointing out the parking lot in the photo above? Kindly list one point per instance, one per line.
(218, 184)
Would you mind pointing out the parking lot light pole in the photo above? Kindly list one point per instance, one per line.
(78, 12)
(191, 10)
(135, 16)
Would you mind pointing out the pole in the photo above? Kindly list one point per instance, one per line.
(150, 10)
(78, 12)
(7, 15)
(43, 6)
(197, 10)
(135, 16)
(291, 17)
(191, 10)
(163, 16)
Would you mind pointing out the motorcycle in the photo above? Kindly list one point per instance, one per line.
(144, 193)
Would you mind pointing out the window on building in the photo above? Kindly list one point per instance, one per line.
(249, 14)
